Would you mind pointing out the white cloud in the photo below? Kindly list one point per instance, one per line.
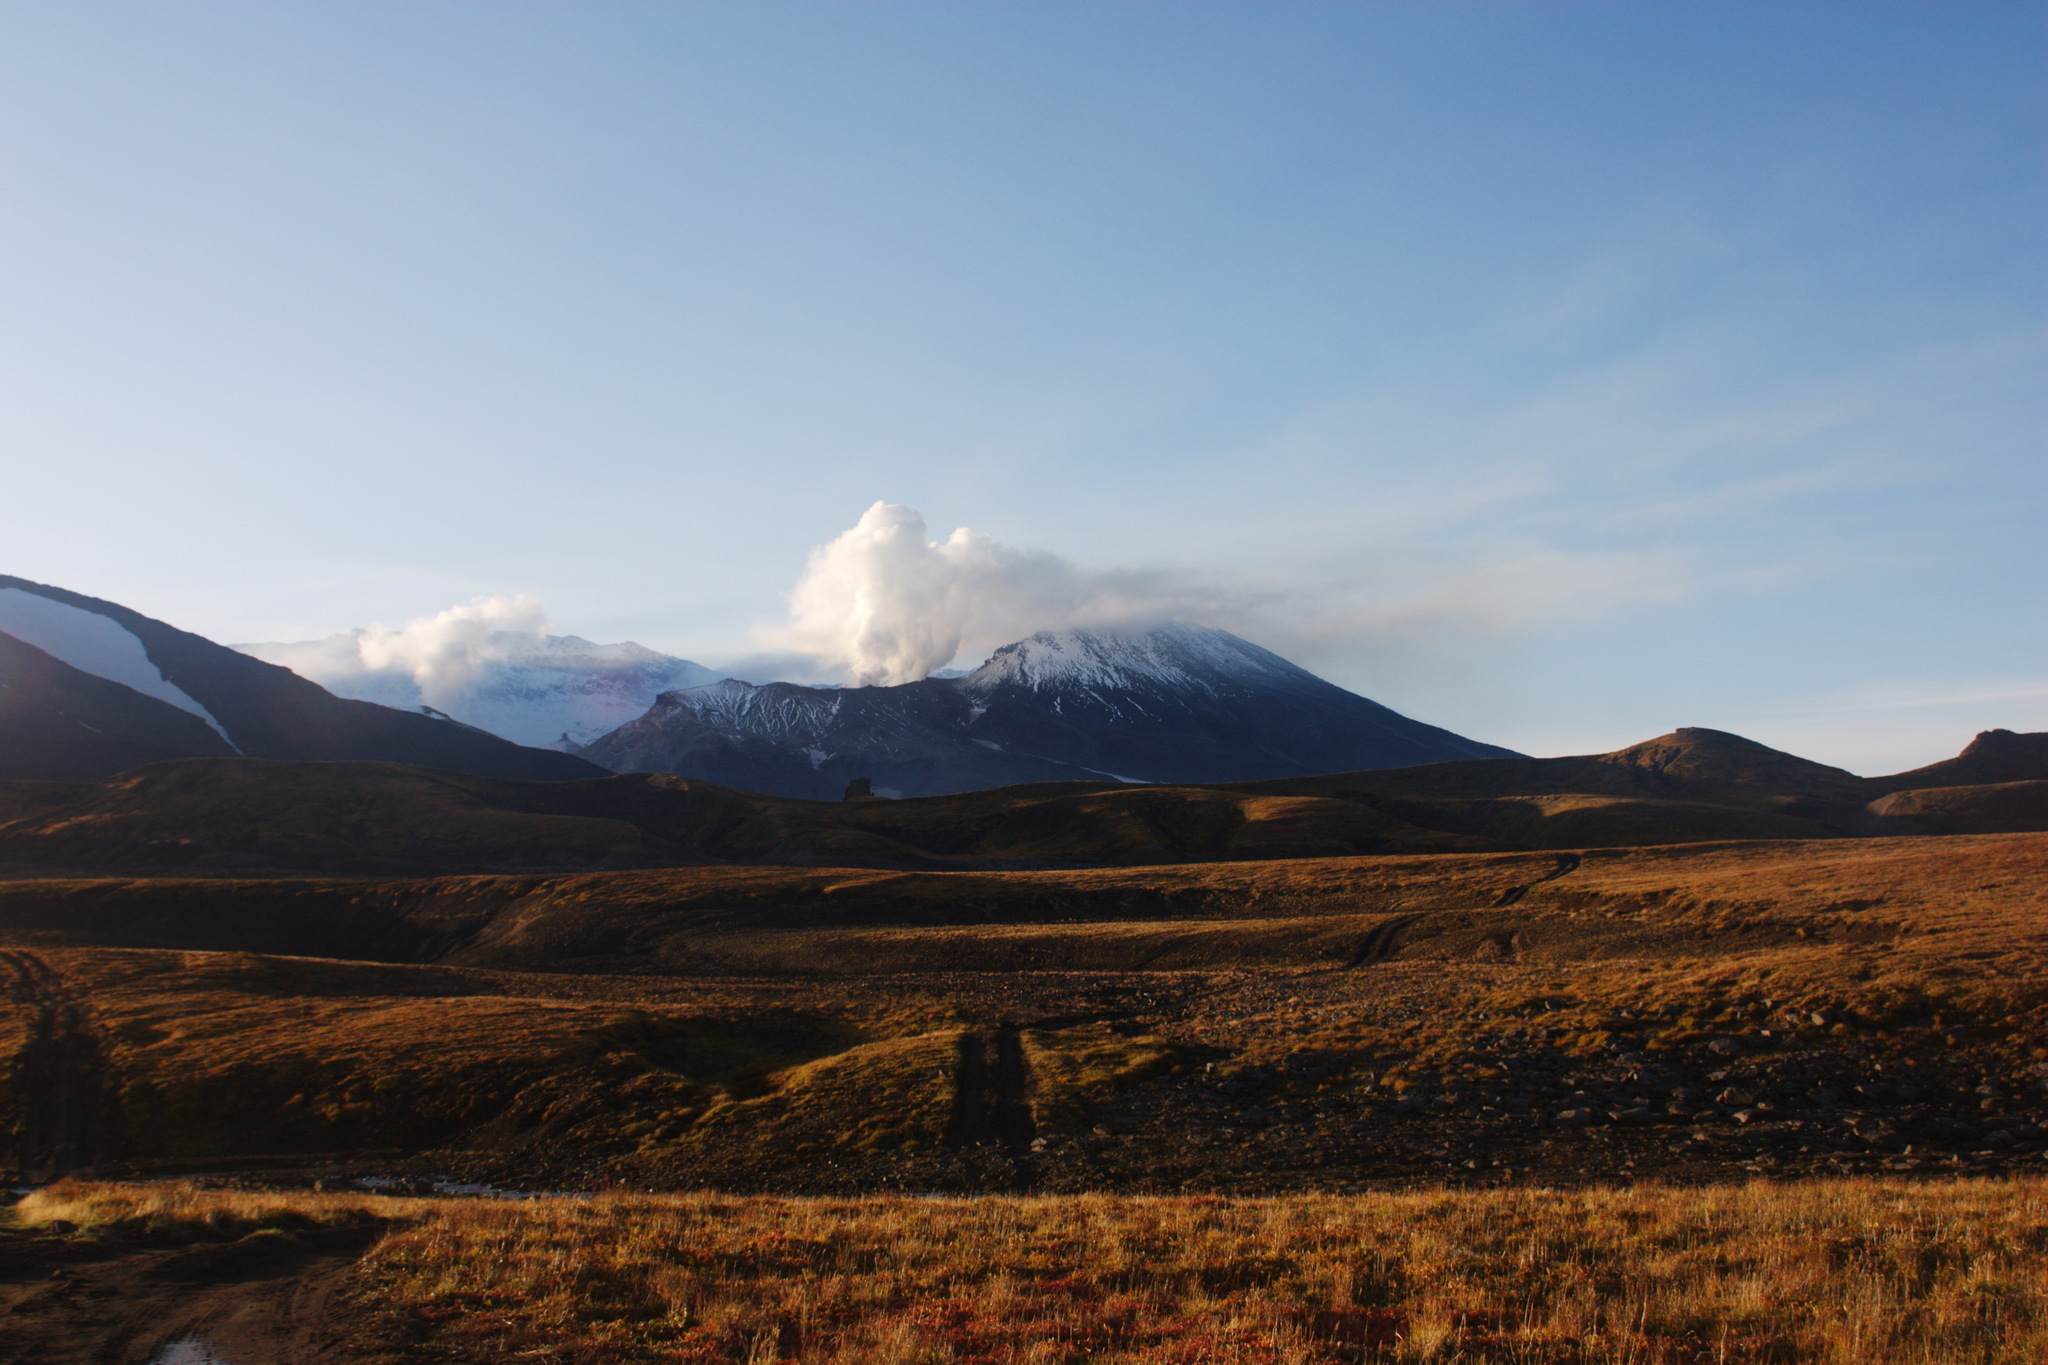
(434, 659)
(884, 604)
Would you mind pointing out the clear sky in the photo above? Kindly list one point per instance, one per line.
(1559, 373)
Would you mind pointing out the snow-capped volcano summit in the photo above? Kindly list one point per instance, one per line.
(1180, 703)
(1176, 656)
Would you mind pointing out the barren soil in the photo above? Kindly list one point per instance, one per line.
(262, 1301)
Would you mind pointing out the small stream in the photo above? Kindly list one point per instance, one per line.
(460, 1188)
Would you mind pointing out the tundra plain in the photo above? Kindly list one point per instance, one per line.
(1466, 1104)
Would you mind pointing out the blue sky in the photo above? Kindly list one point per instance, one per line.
(1559, 373)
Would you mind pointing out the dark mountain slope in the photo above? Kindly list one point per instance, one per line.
(1690, 764)
(1188, 704)
(807, 742)
(1986, 808)
(1178, 704)
(1993, 756)
(266, 711)
(59, 723)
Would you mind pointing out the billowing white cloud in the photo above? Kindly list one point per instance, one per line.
(433, 660)
(883, 604)
(491, 664)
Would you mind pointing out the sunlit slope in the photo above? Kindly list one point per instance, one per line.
(837, 1030)
(721, 919)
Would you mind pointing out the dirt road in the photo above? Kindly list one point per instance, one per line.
(264, 1300)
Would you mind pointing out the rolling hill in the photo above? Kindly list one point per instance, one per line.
(1686, 1012)
(237, 816)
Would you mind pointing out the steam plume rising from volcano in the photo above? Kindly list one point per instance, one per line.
(884, 604)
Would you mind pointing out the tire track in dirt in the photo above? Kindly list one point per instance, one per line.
(1378, 944)
(1566, 862)
(62, 1082)
(252, 1303)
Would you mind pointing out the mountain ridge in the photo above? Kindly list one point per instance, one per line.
(1178, 703)
(256, 708)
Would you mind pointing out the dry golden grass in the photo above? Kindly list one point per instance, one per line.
(711, 920)
(1838, 1271)
(1924, 955)
(177, 1211)
(230, 1052)
(1074, 1069)
(891, 1094)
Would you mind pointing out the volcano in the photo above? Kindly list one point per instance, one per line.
(1180, 703)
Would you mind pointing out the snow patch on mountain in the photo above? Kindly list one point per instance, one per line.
(1179, 703)
(95, 644)
(1178, 656)
(522, 686)
(781, 712)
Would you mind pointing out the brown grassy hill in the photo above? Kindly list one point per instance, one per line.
(2000, 806)
(1240, 1026)
(1994, 756)
(235, 814)
(248, 816)
(1692, 765)
(723, 919)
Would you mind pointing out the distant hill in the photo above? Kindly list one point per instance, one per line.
(1182, 703)
(90, 688)
(241, 816)
(1994, 756)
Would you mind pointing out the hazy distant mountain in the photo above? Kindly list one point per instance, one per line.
(530, 689)
(1182, 703)
(89, 688)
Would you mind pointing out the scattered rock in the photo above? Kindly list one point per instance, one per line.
(1573, 1118)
